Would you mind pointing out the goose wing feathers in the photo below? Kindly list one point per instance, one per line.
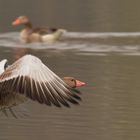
(30, 77)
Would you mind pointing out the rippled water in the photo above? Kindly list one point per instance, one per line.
(107, 62)
(101, 48)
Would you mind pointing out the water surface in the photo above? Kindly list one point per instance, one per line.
(107, 62)
(101, 48)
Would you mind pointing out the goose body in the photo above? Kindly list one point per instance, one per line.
(41, 34)
(28, 77)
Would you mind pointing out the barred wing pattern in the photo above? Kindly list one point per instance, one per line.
(30, 77)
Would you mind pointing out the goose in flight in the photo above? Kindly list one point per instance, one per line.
(28, 77)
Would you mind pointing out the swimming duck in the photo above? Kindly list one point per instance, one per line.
(28, 77)
(41, 34)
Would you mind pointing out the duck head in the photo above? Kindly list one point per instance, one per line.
(22, 20)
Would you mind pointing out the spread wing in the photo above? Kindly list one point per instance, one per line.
(30, 77)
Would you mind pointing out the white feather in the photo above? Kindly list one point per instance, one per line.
(2, 65)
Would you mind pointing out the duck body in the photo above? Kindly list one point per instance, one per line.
(42, 34)
(27, 36)
(53, 36)
(28, 78)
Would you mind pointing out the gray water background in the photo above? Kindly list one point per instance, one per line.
(101, 48)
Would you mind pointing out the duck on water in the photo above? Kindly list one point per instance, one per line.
(40, 34)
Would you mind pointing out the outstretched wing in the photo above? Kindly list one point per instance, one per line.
(30, 77)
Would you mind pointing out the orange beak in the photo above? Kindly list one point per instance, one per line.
(79, 83)
(16, 22)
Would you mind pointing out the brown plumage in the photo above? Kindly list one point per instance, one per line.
(72, 82)
(28, 77)
(40, 34)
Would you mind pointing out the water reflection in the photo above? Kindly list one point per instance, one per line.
(19, 52)
(110, 110)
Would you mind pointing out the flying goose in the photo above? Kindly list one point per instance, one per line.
(27, 78)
